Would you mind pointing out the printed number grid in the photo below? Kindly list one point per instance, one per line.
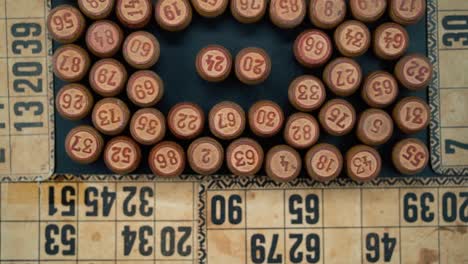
(106, 222)
(391, 225)
(453, 85)
(24, 91)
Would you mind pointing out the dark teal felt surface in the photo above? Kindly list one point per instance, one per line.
(176, 67)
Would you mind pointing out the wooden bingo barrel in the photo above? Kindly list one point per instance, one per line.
(414, 71)
(253, 66)
(266, 118)
(141, 50)
(104, 38)
(211, 8)
(148, 126)
(84, 144)
(122, 155)
(227, 120)
(287, 13)
(312, 48)
(283, 163)
(107, 77)
(352, 38)
(145, 88)
(343, 76)
(410, 156)
(248, 11)
(375, 127)
(363, 163)
(306, 93)
(65, 23)
(301, 131)
(110, 116)
(70, 63)
(214, 63)
(337, 117)
(411, 114)
(244, 157)
(380, 89)
(390, 41)
(167, 159)
(74, 101)
(96, 9)
(134, 13)
(327, 14)
(324, 162)
(205, 156)
(368, 10)
(186, 120)
(407, 12)
(173, 15)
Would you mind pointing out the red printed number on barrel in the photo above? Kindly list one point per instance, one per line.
(253, 66)
(145, 88)
(312, 48)
(74, 101)
(66, 23)
(167, 159)
(227, 120)
(70, 63)
(173, 15)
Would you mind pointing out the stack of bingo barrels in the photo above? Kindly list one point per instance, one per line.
(117, 133)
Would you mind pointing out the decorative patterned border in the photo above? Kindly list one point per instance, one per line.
(434, 95)
(234, 182)
(201, 232)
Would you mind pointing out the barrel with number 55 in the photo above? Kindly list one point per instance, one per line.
(145, 88)
(410, 156)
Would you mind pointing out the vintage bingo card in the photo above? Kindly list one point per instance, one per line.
(448, 51)
(26, 108)
(99, 222)
(256, 220)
